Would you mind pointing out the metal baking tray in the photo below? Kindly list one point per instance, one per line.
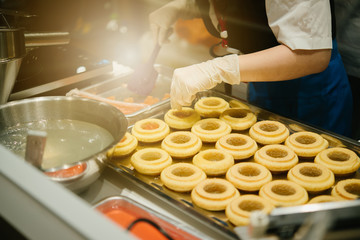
(123, 166)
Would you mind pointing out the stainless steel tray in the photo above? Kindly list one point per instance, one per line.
(137, 210)
(123, 166)
(115, 89)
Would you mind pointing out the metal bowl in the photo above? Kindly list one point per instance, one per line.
(77, 181)
(71, 108)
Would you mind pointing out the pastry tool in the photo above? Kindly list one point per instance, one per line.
(144, 77)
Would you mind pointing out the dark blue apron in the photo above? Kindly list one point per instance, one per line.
(323, 100)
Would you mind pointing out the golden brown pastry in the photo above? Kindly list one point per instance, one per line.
(211, 107)
(323, 198)
(333, 142)
(269, 132)
(348, 189)
(213, 194)
(284, 193)
(181, 144)
(306, 144)
(150, 130)
(238, 118)
(150, 161)
(210, 129)
(248, 176)
(312, 176)
(238, 211)
(341, 161)
(238, 104)
(296, 128)
(182, 177)
(182, 119)
(276, 157)
(213, 162)
(123, 148)
(239, 145)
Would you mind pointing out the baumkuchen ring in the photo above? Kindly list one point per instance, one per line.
(181, 144)
(306, 144)
(284, 193)
(213, 162)
(210, 129)
(239, 210)
(312, 176)
(211, 107)
(269, 132)
(341, 161)
(150, 130)
(182, 119)
(276, 157)
(213, 194)
(248, 176)
(239, 145)
(150, 161)
(182, 177)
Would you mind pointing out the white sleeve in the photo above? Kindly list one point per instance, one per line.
(301, 24)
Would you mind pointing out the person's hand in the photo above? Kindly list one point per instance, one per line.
(162, 19)
(188, 81)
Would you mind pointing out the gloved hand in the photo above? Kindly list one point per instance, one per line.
(162, 19)
(188, 81)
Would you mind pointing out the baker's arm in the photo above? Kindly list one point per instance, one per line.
(280, 63)
(274, 64)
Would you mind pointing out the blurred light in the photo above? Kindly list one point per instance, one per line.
(119, 69)
(123, 29)
(81, 69)
(112, 25)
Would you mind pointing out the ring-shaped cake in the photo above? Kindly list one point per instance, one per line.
(123, 148)
(211, 107)
(312, 176)
(238, 118)
(213, 162)
(150, 161)
(306, 144)
(348, 189)
(248, 176)
(323, 198)
(182, 177)
(341, 161)
(182, 119)
(233, 103)
(238, 211)
(150, 130)
(210, 129)
(181, 144)
(284, 193)
(276, 157)
(239, 145)
(213, 194)
(269, 132)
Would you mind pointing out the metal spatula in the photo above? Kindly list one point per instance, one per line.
(35, 146)
(144, 77)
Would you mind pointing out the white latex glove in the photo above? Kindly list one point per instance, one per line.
(162, 19)
(188, 81)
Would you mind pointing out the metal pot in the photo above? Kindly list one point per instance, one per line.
(71, 108)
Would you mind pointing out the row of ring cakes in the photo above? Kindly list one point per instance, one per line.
(200, 177)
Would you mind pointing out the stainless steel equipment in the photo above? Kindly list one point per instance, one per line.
(59, 108)
(12, 50)
(14, 43)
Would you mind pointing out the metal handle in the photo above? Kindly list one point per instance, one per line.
(38, 39)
